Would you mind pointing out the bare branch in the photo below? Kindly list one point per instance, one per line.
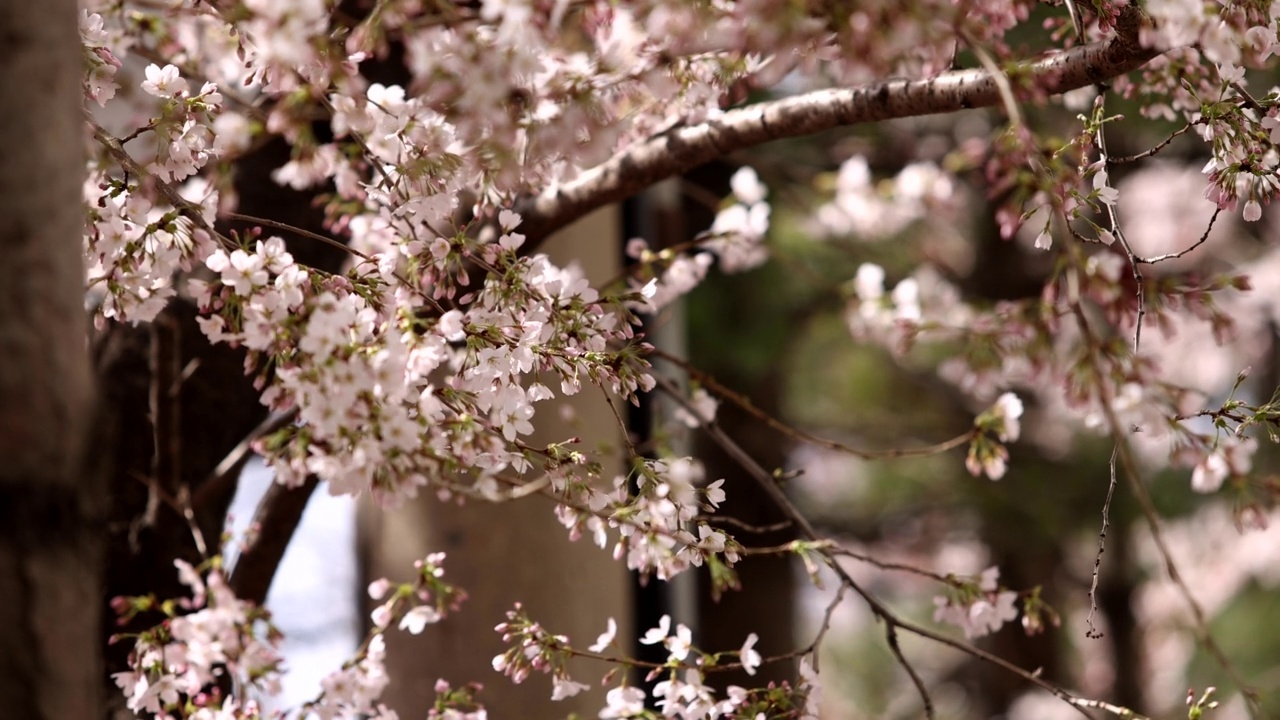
(166, 418)
(744, 403)
(1124, 453)
(685, 147)
(228, 471)
(1093, 631)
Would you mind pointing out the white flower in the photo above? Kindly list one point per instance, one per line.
(605, 638)
(906, 300)
(1106, 193)
(1272, 124)
(715, 493)
(658, 634)
(679, 644)
(623, 702)
(869, 282)
(1044, 240)
(989, 580)
(164, 82)
(1210, 472)
(1252, 210)
(1007, 410)
(809, 678)
(986, 617)
(1231, 457)
(378, 588)
(451, 326)
(710, 539)
(508, 219)
(703, 409)
(747, 187)
(563, 687)
(418, 618)
(749, 656)
(381, 615)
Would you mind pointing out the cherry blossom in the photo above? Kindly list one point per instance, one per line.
(750, 657)
(423, 363)
(977, 608)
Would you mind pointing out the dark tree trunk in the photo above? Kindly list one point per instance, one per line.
(50, 504)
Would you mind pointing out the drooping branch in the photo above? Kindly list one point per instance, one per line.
(685, 147)
(893, 623)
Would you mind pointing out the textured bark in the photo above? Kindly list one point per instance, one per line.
(685, 147)
(277, 518)
(50, 507)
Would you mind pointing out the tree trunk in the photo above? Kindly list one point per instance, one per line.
(50, 504)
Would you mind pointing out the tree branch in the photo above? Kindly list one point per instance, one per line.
(274, 522)
(685, 147)
(892, 621)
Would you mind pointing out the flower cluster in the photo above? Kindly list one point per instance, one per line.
(181, 668)
(736, 238)
(992, 429)
(880, 211)
(656, 514)
(385, 397)
(177, 669)
(134, 242)
(979, 607)
(682, 693)
(354, 690)
(422, 364)
(1024, 344)
(739, 229)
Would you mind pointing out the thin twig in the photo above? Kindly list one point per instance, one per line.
(228, 470)
(825, 626)
(710, 383)
(892, 621)
(1114, 217)
(1156, 148)
(1152, 518)
(901, 567)
(1119, 711)
(1093, 632)
(759, 529)
(164, 358)
(1196, 244)
(1001, 78)
(1246, 99)
(301, 232)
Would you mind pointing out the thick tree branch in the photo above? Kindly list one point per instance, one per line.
(275, 521)
(685, 147)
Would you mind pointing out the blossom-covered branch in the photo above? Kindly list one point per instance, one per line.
(684, 147)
